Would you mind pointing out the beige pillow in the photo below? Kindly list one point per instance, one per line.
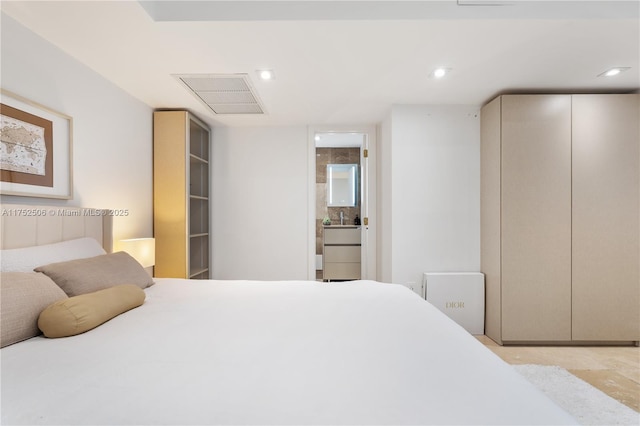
(82, 276)
(23, 295)
(78, 314)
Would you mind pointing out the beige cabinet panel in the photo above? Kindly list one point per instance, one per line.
(606, 270)
(342, 254)
(342, 235)
(169, 194)
(341, 271)
(490, 216)
(536, 217)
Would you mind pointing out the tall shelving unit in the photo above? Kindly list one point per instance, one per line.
(181, 195)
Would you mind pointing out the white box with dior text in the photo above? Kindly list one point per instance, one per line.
(460, 295)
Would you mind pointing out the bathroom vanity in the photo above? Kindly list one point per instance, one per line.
(341, 252)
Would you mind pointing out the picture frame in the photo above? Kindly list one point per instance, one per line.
(36, 149)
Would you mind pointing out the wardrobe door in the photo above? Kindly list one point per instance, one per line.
(606, 270)
(536, 218)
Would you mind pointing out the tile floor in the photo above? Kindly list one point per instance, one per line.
(615, 370)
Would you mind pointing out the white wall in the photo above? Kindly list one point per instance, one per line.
(432, 191)
(260, 203)
(384, 201)
(112, 131)
(428, 197)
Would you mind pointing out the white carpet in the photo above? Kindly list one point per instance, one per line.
(588, 405)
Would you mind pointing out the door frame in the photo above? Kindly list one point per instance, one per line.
(368, 208)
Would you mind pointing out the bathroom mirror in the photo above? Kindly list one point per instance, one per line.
(342, 185)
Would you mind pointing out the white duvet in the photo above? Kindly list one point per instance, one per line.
(242, 352)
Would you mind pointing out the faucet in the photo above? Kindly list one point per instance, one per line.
(341, 217)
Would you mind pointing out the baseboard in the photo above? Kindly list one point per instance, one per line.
(569, 343)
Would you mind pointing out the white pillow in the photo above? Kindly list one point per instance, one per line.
(27, 258)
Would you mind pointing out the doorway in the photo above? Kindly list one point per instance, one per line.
(354, 146)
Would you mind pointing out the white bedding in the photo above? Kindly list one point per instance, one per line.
(240, 352)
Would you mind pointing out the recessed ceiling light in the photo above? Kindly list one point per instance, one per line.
(439, 72)
(266, 74)
(613, 71)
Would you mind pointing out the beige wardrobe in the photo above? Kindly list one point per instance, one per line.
(560, 218)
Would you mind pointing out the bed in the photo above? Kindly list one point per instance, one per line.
(258, 352)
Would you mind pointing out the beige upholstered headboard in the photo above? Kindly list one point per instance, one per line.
(25, 225)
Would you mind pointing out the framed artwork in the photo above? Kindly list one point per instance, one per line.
(35, 149)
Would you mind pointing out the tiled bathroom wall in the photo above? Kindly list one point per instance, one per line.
(326, 156)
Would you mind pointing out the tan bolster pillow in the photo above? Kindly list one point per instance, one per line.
(78, 314)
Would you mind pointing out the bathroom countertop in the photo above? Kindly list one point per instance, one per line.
(342, 226)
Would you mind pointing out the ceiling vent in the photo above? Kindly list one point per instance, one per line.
(224, 93)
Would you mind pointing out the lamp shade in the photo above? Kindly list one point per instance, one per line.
(141, 249)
